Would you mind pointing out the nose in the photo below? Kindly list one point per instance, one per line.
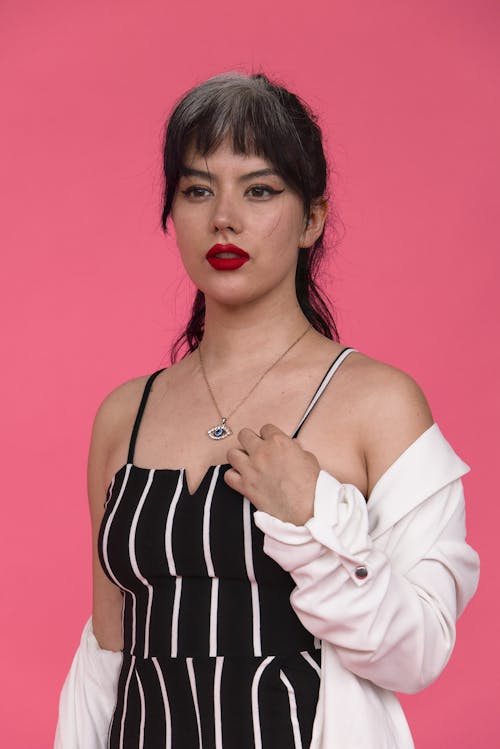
(225, 214)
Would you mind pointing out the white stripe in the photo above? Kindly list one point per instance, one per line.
(143, 712)
(133, 559)
(293, 712)
(192, 681)
(214, 597)
(257, 737)
(175, 617)
(169, 524)
(247, 534)
(219, 662)
(321, 388)
(206, 523)
(317, 643)
(123, 618)
(171, 564)
(125, 699)
(311, 661)
(106, 558)
(110, 490)
(209, 563)
(168, 723)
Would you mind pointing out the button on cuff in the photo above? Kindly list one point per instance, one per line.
(361, 572)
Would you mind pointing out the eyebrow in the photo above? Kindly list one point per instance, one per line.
(186, 171)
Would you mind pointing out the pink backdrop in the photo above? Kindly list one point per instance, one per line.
(407, 93)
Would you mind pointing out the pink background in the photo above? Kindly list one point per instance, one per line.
(407, 94)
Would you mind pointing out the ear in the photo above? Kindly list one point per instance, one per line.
(314, 224)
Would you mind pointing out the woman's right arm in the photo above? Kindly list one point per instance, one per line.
(88, 695)
(107, 598)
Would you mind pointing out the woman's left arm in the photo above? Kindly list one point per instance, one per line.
(384, 582)
(395, 628)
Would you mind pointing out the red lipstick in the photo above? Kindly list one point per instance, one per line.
(238, 257)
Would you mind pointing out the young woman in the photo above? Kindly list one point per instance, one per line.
(278, 522)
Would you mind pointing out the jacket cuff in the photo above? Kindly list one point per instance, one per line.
(339, 524)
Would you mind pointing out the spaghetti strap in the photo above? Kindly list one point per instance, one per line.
(142, 406)
(321, 387)
(324, 382)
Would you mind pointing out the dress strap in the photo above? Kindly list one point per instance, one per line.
(322, 385)
(140, 411)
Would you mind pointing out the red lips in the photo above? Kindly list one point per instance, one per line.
(226, 263)
(217, 248)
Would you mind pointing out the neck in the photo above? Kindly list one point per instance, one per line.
(249, 337)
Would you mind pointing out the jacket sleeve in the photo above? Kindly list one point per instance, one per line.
(88, 695)
(391, 625)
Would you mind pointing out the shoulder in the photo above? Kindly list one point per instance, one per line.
(115, 414)
(119, 404)
(386, 389)
(392, 412)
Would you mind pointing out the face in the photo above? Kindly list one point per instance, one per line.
(259, 214)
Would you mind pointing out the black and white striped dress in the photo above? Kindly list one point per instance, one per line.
(214, 655)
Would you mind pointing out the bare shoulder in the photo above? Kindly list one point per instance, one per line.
(115, 413)
(385, 389)
(392, 412)
(118, 407)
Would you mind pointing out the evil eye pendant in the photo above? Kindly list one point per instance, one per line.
(220, 431)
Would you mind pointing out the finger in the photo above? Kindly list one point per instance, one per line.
(248, 438)
(233, 479)
(238, 458)
(267, 430)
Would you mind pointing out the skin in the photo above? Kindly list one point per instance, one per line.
(367, 416)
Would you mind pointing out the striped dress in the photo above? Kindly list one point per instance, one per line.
(214, 656)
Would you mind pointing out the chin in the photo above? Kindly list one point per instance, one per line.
(233, 297)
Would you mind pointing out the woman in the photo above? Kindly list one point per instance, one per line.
(246, 594)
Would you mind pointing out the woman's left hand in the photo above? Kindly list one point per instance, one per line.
(275, 473)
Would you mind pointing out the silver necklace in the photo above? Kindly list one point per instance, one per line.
(222, 429)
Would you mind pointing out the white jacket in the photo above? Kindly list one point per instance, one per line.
(380, 583)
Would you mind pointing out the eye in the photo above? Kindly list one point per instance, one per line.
(192, 190)
(264, 188)
(197, 192)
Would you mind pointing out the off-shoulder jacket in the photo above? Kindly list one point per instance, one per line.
(380, 583)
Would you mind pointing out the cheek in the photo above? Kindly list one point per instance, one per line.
(183, 214)
(188, 229)
(279, 230)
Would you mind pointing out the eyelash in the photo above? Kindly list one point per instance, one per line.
(270, 190)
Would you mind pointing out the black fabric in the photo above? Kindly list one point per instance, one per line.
(214, 655)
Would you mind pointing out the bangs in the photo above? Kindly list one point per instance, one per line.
(250, 120)
(258, 118)
(248, 113)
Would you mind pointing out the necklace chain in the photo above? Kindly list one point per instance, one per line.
(222, 430)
